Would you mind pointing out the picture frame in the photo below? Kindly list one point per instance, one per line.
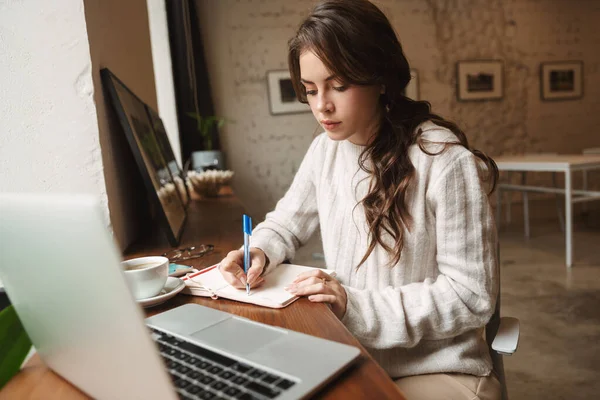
(162, 191)
(561, 80)
(282, 97)
(412, 89)
(179, 179)
(479, 80)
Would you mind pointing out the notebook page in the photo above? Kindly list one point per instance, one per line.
(271, 291)
(212, 280)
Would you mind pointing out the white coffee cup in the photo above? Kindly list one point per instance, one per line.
(146, 276)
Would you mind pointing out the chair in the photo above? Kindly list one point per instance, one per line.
(502, 336)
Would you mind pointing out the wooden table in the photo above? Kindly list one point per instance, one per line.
(564, 163)
(218, 222)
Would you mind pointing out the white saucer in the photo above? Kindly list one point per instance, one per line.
(171, 288)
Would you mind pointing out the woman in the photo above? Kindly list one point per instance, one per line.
(402, 208)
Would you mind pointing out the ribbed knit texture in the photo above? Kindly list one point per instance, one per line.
(424, 314)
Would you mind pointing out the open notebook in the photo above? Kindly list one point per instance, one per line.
(210, 283)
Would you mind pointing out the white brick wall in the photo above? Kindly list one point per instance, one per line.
(246, 38)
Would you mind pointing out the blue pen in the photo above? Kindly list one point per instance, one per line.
(247, 234)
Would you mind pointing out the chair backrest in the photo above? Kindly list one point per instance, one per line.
(490, 333)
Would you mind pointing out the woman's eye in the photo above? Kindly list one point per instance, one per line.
(340, 88)
(311, 92)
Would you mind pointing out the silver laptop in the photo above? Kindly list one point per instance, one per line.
(61, 271)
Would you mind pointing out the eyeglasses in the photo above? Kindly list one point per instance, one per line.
(189, 252)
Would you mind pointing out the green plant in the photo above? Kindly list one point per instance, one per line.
(205, 127)
(14, 344)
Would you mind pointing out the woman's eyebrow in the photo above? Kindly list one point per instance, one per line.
(312, 83)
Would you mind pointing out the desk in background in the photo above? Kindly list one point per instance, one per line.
(564, 163)
(218, 222)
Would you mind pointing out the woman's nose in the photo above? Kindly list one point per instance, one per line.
(324, 104)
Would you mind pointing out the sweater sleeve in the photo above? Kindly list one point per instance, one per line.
(463, 295)
(295, 217)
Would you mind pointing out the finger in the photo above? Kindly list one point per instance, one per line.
(313, 273)
(254, 273)
(236, 256)
(317, 288)
(258, 283)
(231, 262)
(238, 280)
(256, 267)
(313, 280)
(230, 267)
(322, 298)
(233, 273)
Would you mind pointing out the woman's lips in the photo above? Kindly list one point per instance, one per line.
(330, 125)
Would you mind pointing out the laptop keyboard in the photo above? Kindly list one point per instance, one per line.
(199, 373)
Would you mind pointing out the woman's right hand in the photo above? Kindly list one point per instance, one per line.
(232, 268)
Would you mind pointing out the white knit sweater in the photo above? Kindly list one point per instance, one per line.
(424, 314)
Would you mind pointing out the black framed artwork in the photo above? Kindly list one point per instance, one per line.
(479, 80)
(282, 96)
(561, 80)
(167, 151)
(134, 118)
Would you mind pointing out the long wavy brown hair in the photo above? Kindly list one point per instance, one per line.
(358, 45)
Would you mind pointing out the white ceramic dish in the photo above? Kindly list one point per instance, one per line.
(171, 288)
(146, 276)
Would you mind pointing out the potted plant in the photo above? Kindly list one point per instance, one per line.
(209, 158)
(14, 344)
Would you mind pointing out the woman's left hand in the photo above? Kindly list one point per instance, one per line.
(320, 287)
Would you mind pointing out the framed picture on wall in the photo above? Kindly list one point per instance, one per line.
(138, 127)
(479, 80)
(179, 179)
(562, 80)
(282, 97)
(412, 89)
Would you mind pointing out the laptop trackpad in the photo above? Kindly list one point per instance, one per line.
(237, 335)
